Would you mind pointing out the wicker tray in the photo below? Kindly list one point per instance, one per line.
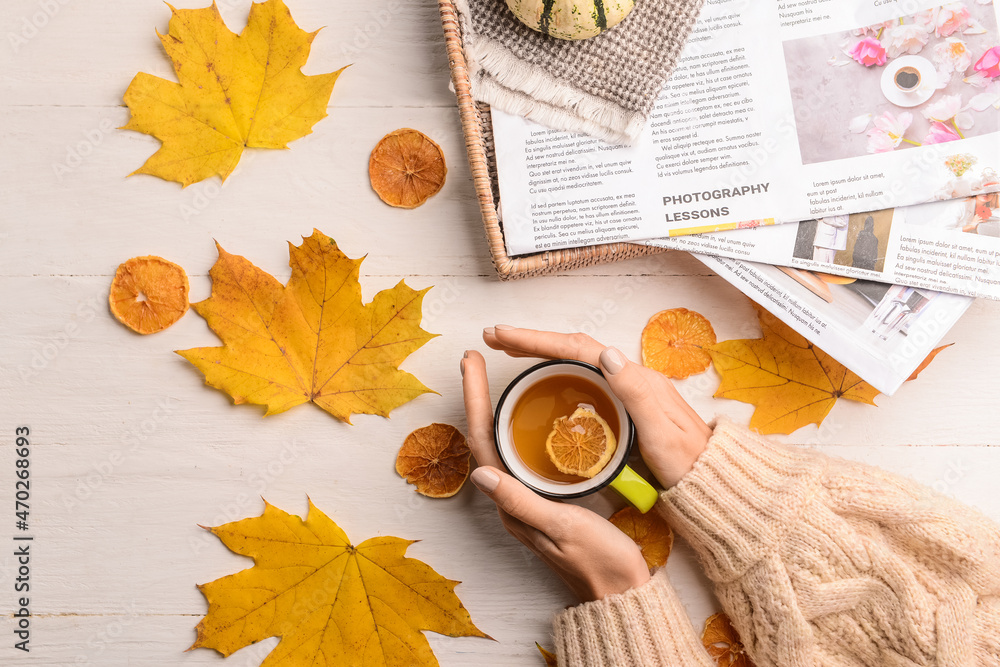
(478, 132)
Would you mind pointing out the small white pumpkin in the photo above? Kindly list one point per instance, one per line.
(571, 19)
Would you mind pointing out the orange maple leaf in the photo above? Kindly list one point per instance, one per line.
(311, 340)
(548, 656)
(927, 361)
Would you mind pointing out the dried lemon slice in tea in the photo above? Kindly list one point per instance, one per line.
(581, 444)
(673, 343)
(406, 168)
(148, 294)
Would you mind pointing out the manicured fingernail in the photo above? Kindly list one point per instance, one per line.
(461, 367)
(504, 327)
(488, 331)
(612, 360)
(465, 355)
(486, 480)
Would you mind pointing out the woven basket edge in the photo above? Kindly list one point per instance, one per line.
(510, 268)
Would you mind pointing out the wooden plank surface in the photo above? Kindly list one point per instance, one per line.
(132, 451)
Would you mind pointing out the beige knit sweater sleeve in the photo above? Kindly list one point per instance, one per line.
(819, 562)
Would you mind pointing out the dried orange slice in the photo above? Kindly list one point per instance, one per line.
(581, 444)
(673, 343)
(435, 459)
(406, 168)
(650, 531)
(723, 643)
(148, 294)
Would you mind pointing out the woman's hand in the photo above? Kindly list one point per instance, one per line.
(671, 434)
(594, 558)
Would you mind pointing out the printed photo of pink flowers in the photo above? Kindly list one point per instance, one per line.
(928, 78)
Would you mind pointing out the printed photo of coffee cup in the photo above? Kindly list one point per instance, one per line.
(849, 85)
(907, 79)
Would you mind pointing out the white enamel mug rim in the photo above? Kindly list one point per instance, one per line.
(505, 447)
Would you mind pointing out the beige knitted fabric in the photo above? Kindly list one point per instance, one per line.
(643, 626)
(819, 562)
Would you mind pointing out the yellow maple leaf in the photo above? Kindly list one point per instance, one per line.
(791, 381)
(311, 340)
(234, 92)
(330, 602)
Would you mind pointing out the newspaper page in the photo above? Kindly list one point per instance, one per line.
(948, 246)
(881, 332)
(777, 112)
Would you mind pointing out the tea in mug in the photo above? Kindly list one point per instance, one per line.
(540, 405)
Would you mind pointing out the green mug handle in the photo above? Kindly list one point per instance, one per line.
(635, 489)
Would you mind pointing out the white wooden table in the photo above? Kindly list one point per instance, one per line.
(131, 451)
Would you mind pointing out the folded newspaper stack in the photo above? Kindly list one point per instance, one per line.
(869, 129)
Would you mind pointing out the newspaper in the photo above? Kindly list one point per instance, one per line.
(949, 246)
(881, 332)
(777, 112)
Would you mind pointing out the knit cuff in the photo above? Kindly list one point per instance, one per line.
(643, 626)
(741, 498)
